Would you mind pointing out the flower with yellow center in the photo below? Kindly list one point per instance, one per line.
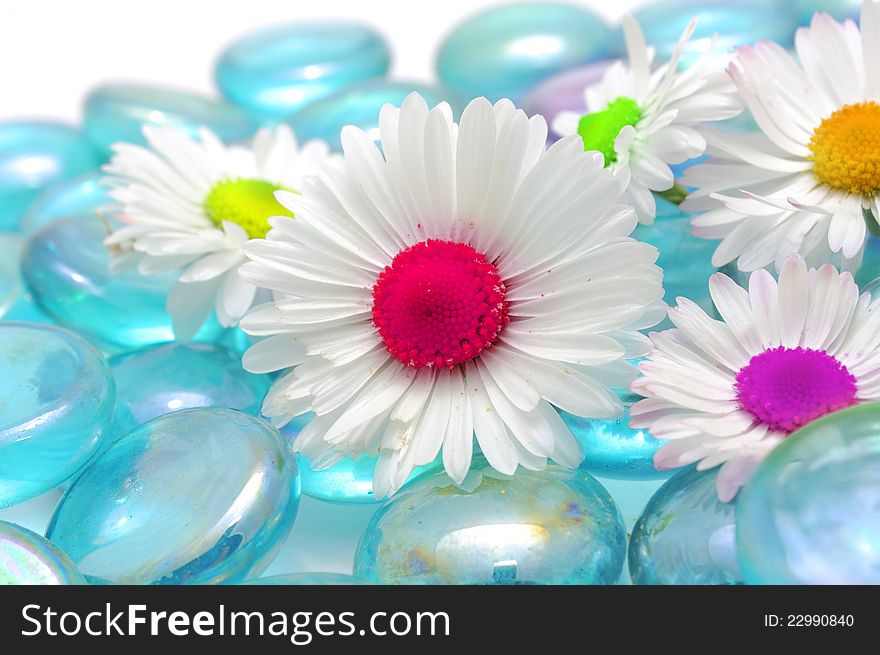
(809, 182)
(643, 121)
(190, 204)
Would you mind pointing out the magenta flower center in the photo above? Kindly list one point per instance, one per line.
(439, 303)
(786, 388)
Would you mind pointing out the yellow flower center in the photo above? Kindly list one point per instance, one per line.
(248, 203)
(846, 149)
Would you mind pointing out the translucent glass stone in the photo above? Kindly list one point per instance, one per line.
(839, 9)
(811, 512)
(550, 527)
(332, 579)
(869, 270)
(82, 197)
(56, 404)
(736, 22)
(176, 376)
(116, 112)
(358, 105)
(26, 558)
(505, 50)
(685, 535)
(67, 268)
(612, 448)
(274, 71)
(16, 302)
(34, 155)
(194, 497)
(349, 481)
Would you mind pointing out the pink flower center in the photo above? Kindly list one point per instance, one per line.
(786, 388)
(440, 303)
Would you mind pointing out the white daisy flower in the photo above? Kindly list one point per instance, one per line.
(191, 204)
(642, 122)
(727, 392)
(810, 180)
(462, 284)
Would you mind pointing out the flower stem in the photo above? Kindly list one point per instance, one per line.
(674, 194)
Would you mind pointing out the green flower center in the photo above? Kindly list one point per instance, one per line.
(246, 202)
(599, 130)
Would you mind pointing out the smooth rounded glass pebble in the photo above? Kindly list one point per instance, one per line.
(551, 527)
(869, 270)
(199, 496)
(735, 22)
(332, 579)
(26, 558)
(67, 268)
(117, 112)
(57, 403)
(16, 301)
(34, 155)
(274, 71)
(176, 376)
(839, 9)
(82, 197)
(685, 535)
(811, 512)
(613, 449)
(358, 105)
(563, 92)
(504, 51)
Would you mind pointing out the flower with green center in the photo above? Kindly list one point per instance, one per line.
(249, 203)
(190, 204)
(642, 122)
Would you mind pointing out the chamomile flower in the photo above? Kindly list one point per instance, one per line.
(642, 122)
(461, 285)
(787, 353)
(191, 204)
(809, 182)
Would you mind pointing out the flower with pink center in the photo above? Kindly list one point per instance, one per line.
(784, 354)
(448, 292)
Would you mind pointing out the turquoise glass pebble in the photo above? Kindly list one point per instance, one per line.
(358, 105)
(839, 9)
(869, 270)
(56, 405)
(550, 527)
(26, 558)
(685, 535)
(81, 197)
(504, 51)
(16, 301)
(176, 376)
(332, 579)
(735, 22)
(117, 112)
(811, 512)
(274, 71)
(613, 449)
(66, 267)
(34, 155)
(194, 497)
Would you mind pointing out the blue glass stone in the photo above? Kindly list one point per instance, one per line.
(82, 197)
(163, 379)
(869, 270)
(332, 579)
(840, 9)
(16, 302)
(275, 71)
(66, 267)
(26, 558)
(613, 449)
(116, 112)
(504, 51)
(349, 481)
(550, 527)
(34, 155)
(811, 512)
(358, 105)
(735, 22)
(685, 535)
(57, 403)
(199, 496)
(686, 260)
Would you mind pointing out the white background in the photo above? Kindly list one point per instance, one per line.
(53, 51)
